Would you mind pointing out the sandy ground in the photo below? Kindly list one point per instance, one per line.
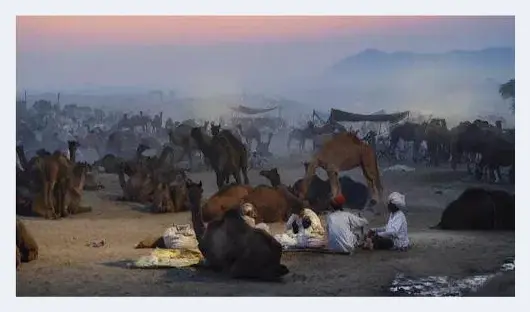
(67, 267)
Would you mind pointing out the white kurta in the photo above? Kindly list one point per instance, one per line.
(344, 230)
(396, 229)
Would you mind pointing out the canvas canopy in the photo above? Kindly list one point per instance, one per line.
(252, 111)
(338, 116)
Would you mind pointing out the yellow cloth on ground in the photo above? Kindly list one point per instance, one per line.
(169, 258)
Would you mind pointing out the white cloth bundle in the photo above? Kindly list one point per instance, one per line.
(180, 237)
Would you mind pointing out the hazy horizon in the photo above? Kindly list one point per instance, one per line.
(272, 55)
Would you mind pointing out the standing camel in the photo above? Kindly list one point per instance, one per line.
(341, 153)
(250, 134)
(227, 156)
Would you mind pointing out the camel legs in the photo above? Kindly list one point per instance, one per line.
(220, 178)
(50, 199)
(371, 174)
(48, 205)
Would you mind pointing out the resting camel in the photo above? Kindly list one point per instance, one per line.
(228, 197)
(150, 180)
(272, 203)
(319, 191)
(344, 152)
(226, 154)
(58, 180)
(170, 197)
(232, 246)
(480, 209)
(27, 248)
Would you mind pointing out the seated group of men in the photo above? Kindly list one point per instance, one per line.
(345, 229)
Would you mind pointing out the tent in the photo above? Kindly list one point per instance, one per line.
(252, 111)
(339, 116)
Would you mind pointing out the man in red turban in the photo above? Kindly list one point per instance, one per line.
(344, 228)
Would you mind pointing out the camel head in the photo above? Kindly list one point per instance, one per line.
(272, 175)
(215, 129)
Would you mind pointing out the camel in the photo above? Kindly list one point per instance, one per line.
(409, 132)
(263, 147)
(75, 190)
(250, 134)
(319, 192)
(479, 209)
(138, 188)
(169, 198)
(228, 197)
(27, 248)
(156, 123)
(226, 154)
(272, 203)
(181, 136)
(496, 148)
(118, 141)
(344, 152)
(437, 137)
(300, 135)
(61, 185)
(231, 245)
(150, 179)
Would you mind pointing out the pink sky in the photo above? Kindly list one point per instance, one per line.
(36, 31)
(173, 50)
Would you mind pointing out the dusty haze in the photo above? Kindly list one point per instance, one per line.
(313, 62)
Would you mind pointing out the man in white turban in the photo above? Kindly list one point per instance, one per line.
(395, 234)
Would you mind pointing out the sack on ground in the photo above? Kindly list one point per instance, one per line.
(180, 237)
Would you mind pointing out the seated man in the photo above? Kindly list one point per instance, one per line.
(395, 234)
(304, 221)
(344, 228)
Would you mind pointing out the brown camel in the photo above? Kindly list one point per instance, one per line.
(150, 178)
(272, 203)
(232, 246)
(228, 197)
(226, 154)
(27, 248)
(344, 152)
(75, 190)
(138, 188)
(168, 196)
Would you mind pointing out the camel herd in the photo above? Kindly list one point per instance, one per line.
(55, 183)
(51, 185)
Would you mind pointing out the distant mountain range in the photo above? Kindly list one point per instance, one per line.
(491, 60)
